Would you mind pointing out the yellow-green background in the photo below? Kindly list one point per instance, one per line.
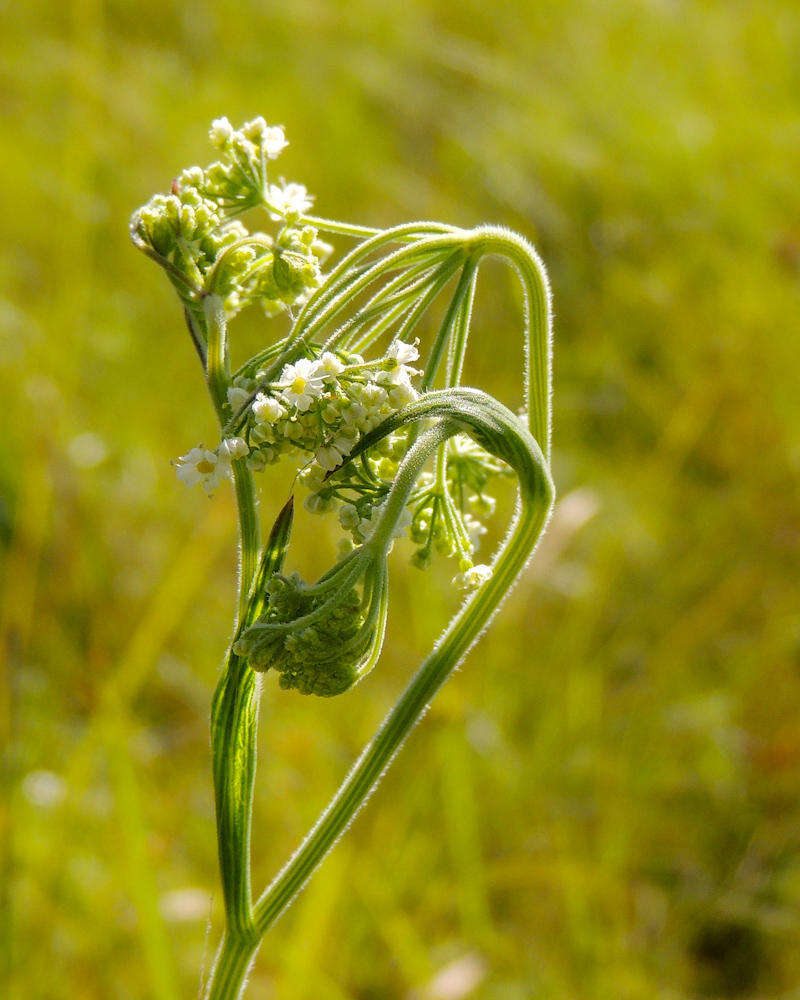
(603, 803)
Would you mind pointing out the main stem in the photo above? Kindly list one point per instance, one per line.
(234, 713)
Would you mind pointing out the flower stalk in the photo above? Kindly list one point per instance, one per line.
(393, 450)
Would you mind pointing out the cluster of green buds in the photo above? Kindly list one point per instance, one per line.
(196, 234)
(321, 638)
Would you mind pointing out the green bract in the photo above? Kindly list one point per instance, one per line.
(384, 438)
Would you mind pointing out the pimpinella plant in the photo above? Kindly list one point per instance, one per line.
(385, 438)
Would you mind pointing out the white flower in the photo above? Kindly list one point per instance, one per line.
(401, 375)
(353, 414)
(403, 394)
(301, 384)
(402, 353)
(274, 141)
(237, 397)
(328, 365)
(329, 458)
(344, 443)
(202, 466)
(397, 360)
(473, 577)
(290, 199)
(312, 477)
(233, 448)
(267, 409)
(348, 516)
(220, 132)
(373, 397)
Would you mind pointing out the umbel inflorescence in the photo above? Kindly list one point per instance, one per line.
(383, 436)
(314, 408)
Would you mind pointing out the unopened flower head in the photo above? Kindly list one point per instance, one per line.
(220, 132)
(321, 638)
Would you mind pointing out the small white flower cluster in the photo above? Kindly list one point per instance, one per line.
(288, 201)
(253, 136)
(209, 468)
(191, 228)
(239, 180)
(321, 406)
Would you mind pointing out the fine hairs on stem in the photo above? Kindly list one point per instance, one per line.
(390, 449)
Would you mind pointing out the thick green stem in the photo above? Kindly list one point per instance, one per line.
(234, 713)
(234, 958)
(218, 375)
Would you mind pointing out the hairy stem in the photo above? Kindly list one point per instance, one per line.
(234, 713)
(235, 956)
(538, 322)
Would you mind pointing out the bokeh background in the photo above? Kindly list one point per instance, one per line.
(603, 803)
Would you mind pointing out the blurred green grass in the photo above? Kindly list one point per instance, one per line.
(604, 802)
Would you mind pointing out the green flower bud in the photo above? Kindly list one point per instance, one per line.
(321, 638)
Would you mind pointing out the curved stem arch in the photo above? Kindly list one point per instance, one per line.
(497, 429)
